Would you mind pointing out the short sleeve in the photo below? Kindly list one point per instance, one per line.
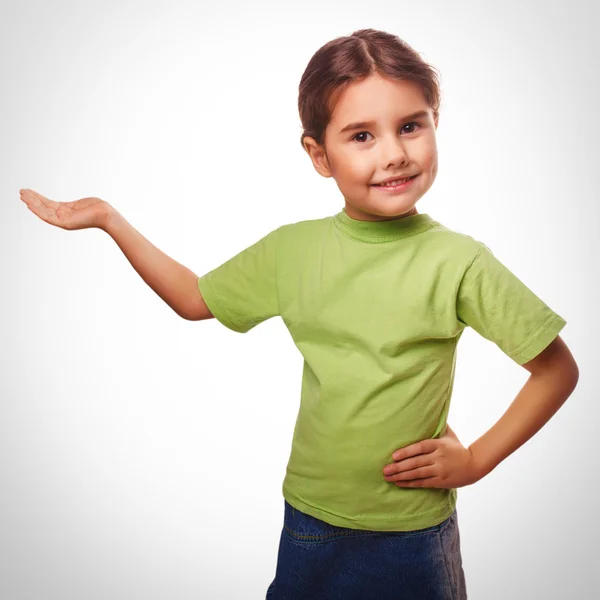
(501, 308)
(242, 292)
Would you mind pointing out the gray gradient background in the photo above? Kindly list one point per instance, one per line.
(141, 455)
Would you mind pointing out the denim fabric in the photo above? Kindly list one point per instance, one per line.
(319, 561)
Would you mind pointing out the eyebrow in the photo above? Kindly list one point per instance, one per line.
(351, 126)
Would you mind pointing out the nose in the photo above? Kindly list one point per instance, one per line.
(393, 151)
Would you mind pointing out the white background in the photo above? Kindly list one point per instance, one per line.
(142, 455)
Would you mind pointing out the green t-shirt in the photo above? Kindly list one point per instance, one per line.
(376, 309)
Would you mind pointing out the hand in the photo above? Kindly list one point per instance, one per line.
(80, 214)
(433, 463)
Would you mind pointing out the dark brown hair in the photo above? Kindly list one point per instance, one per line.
(351, 58)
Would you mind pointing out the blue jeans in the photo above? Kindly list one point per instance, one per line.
(319, 561)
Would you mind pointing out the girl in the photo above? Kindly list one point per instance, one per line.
(376, 298)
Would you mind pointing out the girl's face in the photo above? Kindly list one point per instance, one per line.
(386, 141)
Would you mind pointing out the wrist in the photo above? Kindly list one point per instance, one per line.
(481, 465)
(109, 216)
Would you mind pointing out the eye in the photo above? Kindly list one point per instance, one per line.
(359, 133)
(411, 123)
(405, 125)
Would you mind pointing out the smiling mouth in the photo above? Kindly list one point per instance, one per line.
(402, 181)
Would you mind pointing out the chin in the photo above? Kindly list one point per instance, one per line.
(388, 210)
(392, 209)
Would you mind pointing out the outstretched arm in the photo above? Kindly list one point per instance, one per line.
(173, 282)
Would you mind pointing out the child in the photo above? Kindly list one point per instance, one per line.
(376, 298)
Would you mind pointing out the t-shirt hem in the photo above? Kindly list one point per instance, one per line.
(376, 522)
(541, 339)
(211, 298)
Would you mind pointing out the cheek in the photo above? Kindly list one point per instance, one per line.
(432, 162)
(359, 169)
(429, 153)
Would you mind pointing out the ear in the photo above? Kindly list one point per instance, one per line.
(318, 155)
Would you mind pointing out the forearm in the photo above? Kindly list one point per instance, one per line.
(537, 401)
(172, 281)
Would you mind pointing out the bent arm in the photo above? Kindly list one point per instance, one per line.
(172, 281)
(554, 375)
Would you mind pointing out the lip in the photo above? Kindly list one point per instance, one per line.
(394, 178)
(396, 188)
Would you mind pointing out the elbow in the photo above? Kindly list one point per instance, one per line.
(574, 374)
(567, 369)
(557, 361)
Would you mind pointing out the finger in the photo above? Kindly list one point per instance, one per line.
(408, 464)
(421, 447)
(37, 195)
(44, 214)
(28, 197)
(46, 202)
(417, 473)
(31, 197)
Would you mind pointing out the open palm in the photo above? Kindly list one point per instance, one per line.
(79, 214)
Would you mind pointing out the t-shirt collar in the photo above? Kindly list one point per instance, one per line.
(382, 231)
